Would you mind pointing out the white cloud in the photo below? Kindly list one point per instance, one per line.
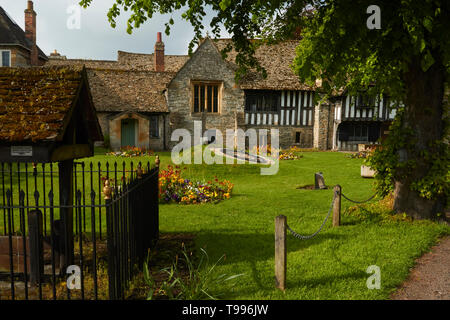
(96, 39)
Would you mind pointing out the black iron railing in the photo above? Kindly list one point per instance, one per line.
(109, 232)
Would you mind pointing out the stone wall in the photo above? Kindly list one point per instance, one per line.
(115, 127)
(206, 64)
(19, 56)
(323, 125)
(287, 135)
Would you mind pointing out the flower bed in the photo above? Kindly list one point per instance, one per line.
(290, 154)
(129, 152)
(287, 154)
(174, 188)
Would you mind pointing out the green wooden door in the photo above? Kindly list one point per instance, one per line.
(128, 137)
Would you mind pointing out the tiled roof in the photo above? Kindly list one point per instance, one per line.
(129, 90)
(34, 102)
(141, 61)
(12, 34)
(277, 60)
(126, 61)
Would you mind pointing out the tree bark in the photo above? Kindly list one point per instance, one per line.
(424, 115)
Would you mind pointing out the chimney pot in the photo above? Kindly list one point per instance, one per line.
(30, 5)
(158, 37)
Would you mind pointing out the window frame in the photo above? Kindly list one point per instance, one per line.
(10, 58)
(151, 129)
(262, 95)
(205, 84)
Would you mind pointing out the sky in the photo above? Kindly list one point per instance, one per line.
(95, 39)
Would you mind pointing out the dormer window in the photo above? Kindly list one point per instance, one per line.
(5, 60)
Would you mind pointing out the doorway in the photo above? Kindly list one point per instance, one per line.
(128, 135)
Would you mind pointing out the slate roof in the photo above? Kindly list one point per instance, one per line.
(34, 102)
(129, 90)
(12, 34)
(277, 60)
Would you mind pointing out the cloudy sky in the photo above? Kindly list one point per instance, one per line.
(96, 39)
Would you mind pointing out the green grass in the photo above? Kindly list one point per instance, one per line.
(330, 266)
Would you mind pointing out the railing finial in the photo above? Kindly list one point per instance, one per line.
(107, 190)
(139, 171)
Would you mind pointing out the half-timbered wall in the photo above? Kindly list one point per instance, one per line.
(296, 108)
(353, 108)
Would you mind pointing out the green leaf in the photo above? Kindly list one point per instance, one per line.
(428, 23)
(427, 61)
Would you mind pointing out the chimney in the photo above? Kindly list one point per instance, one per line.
(30, 32)
(159, 53)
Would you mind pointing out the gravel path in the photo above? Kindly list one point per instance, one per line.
(430, 278)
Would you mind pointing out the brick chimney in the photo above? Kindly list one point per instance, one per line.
(159, 53)
(30, 32)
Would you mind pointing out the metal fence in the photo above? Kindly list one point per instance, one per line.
(44, 255)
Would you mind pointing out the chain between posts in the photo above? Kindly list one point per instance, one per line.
(354, 201)
(303, 237)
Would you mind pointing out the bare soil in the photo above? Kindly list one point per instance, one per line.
(430, 278)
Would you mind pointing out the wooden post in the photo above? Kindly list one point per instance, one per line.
(36, 246)
(280, 252)
(337, 206)
(66, 199)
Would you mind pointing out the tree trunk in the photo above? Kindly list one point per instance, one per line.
(424, 115)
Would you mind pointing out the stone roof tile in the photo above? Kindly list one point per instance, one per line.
(35, 101)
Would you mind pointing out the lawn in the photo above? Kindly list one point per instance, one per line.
(332, 265)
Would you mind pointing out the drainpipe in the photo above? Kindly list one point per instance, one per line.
(164, 132)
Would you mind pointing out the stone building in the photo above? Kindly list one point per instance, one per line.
(18, 48)
(141, 99)
(129, 95)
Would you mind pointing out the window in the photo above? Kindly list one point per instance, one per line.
(5, 58)
(297, 137)
(206, 97)
(154, 126)
(364, 101)
(359, 131)
(262, 100)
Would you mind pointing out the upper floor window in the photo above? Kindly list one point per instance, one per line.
(262, 100)
(5, 58)
(206, 97)
(363, 100)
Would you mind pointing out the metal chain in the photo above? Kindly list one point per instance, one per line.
(359, 201)
(302, 237)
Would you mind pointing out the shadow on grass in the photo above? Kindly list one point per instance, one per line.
(240, 247)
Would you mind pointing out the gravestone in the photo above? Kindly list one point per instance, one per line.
(319, 181)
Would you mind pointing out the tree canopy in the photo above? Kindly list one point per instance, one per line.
(408, 57)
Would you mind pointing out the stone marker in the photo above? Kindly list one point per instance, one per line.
(319, 181)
